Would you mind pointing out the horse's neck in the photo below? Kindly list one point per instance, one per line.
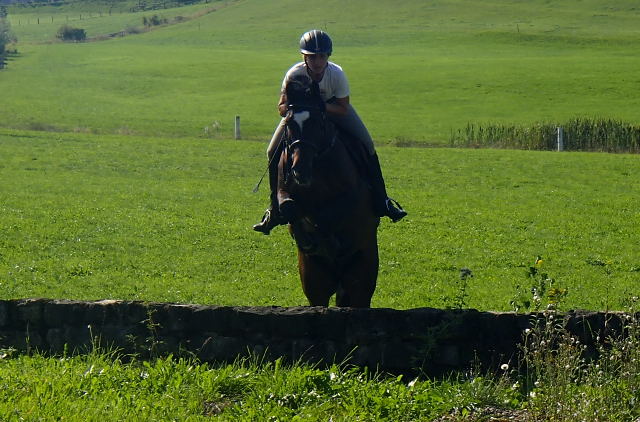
(340, 171)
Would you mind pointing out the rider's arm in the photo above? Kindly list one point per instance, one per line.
(282, 105)
(338, 106)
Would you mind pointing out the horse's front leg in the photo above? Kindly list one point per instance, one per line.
(358, 281)
(318, 283)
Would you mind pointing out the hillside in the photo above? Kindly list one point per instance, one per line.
(418, 70)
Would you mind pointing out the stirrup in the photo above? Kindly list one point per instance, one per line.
(268, 223)
(394, 210)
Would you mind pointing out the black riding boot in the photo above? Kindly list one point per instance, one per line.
(383, 205)
(272, 217)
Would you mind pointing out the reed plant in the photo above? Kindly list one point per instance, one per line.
(578, 134)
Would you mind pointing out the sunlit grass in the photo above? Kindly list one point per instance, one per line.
(123, 217)
(499, 62)
(97, 387)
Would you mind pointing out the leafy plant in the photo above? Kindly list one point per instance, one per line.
(543, 291)
(460, 299)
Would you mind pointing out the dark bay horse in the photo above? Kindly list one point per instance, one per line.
(327, 203)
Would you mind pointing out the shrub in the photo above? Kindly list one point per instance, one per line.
(69, 33)
(154, 20)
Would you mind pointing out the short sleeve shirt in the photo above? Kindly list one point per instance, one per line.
(333, 84)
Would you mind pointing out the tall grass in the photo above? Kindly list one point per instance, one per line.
(567, 382)
(579, 134)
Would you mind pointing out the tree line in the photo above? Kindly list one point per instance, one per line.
(6, 35)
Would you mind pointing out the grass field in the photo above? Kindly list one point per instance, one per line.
(40, 24)
(92, 217)
(418, 71)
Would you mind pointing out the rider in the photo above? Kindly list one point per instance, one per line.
(316, 47)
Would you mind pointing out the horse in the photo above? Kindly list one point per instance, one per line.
(327, 203)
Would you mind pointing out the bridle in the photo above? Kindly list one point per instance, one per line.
(291, 144)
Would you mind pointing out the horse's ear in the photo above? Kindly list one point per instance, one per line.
(297, 86)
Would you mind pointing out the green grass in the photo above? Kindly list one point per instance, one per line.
(124, 217)
(418, 71)
(97, 387)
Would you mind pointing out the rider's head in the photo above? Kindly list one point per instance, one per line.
(316, 42)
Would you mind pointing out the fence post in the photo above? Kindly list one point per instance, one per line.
(560, 138)
(237, 128)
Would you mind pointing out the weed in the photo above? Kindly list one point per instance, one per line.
(459, 301)
(212, 130)
(564, 386)
(152, 341)
(543, 291)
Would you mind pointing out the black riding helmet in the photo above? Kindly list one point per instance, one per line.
(316, 42)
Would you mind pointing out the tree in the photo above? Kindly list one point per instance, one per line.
(6, 36)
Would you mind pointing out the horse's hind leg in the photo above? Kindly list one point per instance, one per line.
(318, 283)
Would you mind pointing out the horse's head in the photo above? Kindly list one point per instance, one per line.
(307, 129)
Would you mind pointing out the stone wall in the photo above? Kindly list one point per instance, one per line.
(431, 340)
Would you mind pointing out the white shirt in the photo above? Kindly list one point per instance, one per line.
(333, 84)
